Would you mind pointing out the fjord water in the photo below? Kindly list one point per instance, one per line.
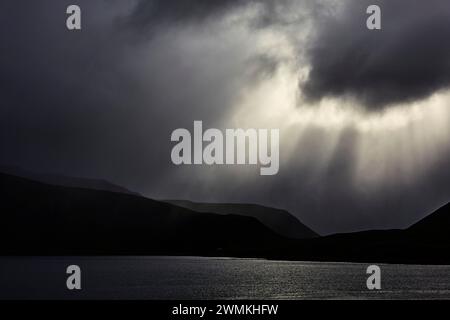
(214, 278)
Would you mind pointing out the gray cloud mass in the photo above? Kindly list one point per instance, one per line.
(408, 59)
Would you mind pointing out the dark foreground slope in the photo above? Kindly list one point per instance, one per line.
(280, 221)
(41, 219)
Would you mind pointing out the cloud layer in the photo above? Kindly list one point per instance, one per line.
(408, 59)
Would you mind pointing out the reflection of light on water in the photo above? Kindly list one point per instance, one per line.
(209, 278)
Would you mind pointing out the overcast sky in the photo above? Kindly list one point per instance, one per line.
(363, 115)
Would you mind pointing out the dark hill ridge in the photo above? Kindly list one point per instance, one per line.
(65, 181)
(41, 219)
(280, 221)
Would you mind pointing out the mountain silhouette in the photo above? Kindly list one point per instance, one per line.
(43, 219)
(66, 181)
(280, 221)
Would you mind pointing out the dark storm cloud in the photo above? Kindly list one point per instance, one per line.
(68, 98)
(408, 59)
(92, 102)
(150, 12)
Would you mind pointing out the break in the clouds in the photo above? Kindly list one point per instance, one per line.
(103, 102)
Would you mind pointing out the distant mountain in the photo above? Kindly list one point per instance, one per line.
(43, 219)
(280, 221)
(66, 181)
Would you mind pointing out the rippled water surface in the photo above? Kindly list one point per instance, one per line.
(214, 278)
